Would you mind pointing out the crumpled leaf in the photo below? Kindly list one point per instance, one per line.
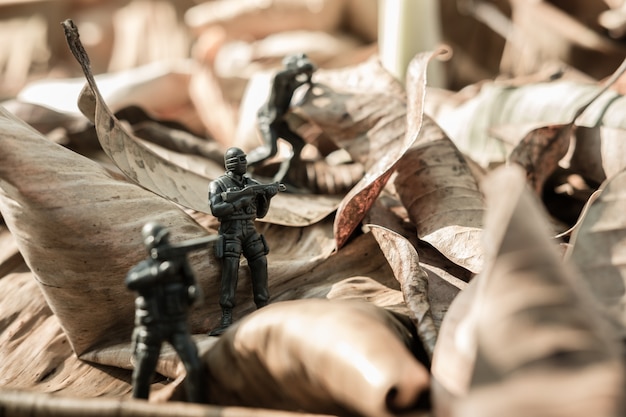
(36, 354)
(470, 123)
(542, 149)
(79, 231)
(318, 356)
(597, 248)
(164, 178)
(532, 337)
(441, 195)
(370, 126)
(160, 89)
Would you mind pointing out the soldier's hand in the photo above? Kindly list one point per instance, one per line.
(243, 202)
(271, 190)
(192, 294)
(166, 269)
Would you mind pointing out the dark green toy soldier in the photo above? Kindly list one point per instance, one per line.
(166, 288)
(237, 201)
(297, 71)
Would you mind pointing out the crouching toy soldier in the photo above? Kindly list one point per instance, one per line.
(271, 117)
(166, 288)
(237, 200)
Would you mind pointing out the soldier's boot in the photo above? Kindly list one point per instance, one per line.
(227, 320)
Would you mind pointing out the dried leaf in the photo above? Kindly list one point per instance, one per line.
(167, 179)
(542, 149)
(250, 19)
(470, 123)
(532, 336)
(600, 152)
(318, 356)
(597, 248)
(404, 261)
(370, 126)
(160, 89)
(21, 403)
(36, 354)
(442, 197)
(79, 231)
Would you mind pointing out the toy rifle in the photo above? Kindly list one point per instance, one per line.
(250, 190)
(173, 250)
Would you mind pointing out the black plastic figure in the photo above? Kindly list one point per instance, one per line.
(237, 200)
(271, 116)
(166, 288)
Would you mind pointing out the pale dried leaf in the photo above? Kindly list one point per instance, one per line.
(404, 261)
(597, 248)
(217, 109)
(160, 89)
(469, 124)
(542, 149)
(318, 356)
(251, 19)
(36, 354)
(530, 320)
(79, 230)
(442, 197)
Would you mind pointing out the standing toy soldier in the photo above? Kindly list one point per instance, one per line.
(166, 288)
(271, 116)
(237, 200)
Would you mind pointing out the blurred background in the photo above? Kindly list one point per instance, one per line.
(489, 38)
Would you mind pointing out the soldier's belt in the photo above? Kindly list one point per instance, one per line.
(240, 217)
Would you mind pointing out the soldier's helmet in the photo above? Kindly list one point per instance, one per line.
(235, 161)
(294, 61)
(154, 234)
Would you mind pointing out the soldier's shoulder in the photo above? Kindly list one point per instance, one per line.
(139, 271)
(220, 182)
(250, 181)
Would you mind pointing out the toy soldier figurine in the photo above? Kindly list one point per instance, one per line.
(271, 116)
(237, 200)
(165, 288)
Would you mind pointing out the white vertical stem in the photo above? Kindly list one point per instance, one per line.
(405, 28)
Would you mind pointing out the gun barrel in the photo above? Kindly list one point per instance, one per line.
(182, 248)
(251, 189)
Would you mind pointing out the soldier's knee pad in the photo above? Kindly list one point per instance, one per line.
(256, 248)
(232, 248)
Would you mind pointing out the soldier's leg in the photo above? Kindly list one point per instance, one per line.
(269, 136)
(282, 130)
(195, 381)
(228, 286)
(255, 250)
(147, 346)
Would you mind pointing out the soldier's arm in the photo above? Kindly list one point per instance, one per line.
(219, 207)
(141, 276)
(194, 293)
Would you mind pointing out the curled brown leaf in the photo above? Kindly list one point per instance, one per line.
(318, 356)
(442, 197)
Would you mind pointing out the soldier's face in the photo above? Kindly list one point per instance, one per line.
(241, 166)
